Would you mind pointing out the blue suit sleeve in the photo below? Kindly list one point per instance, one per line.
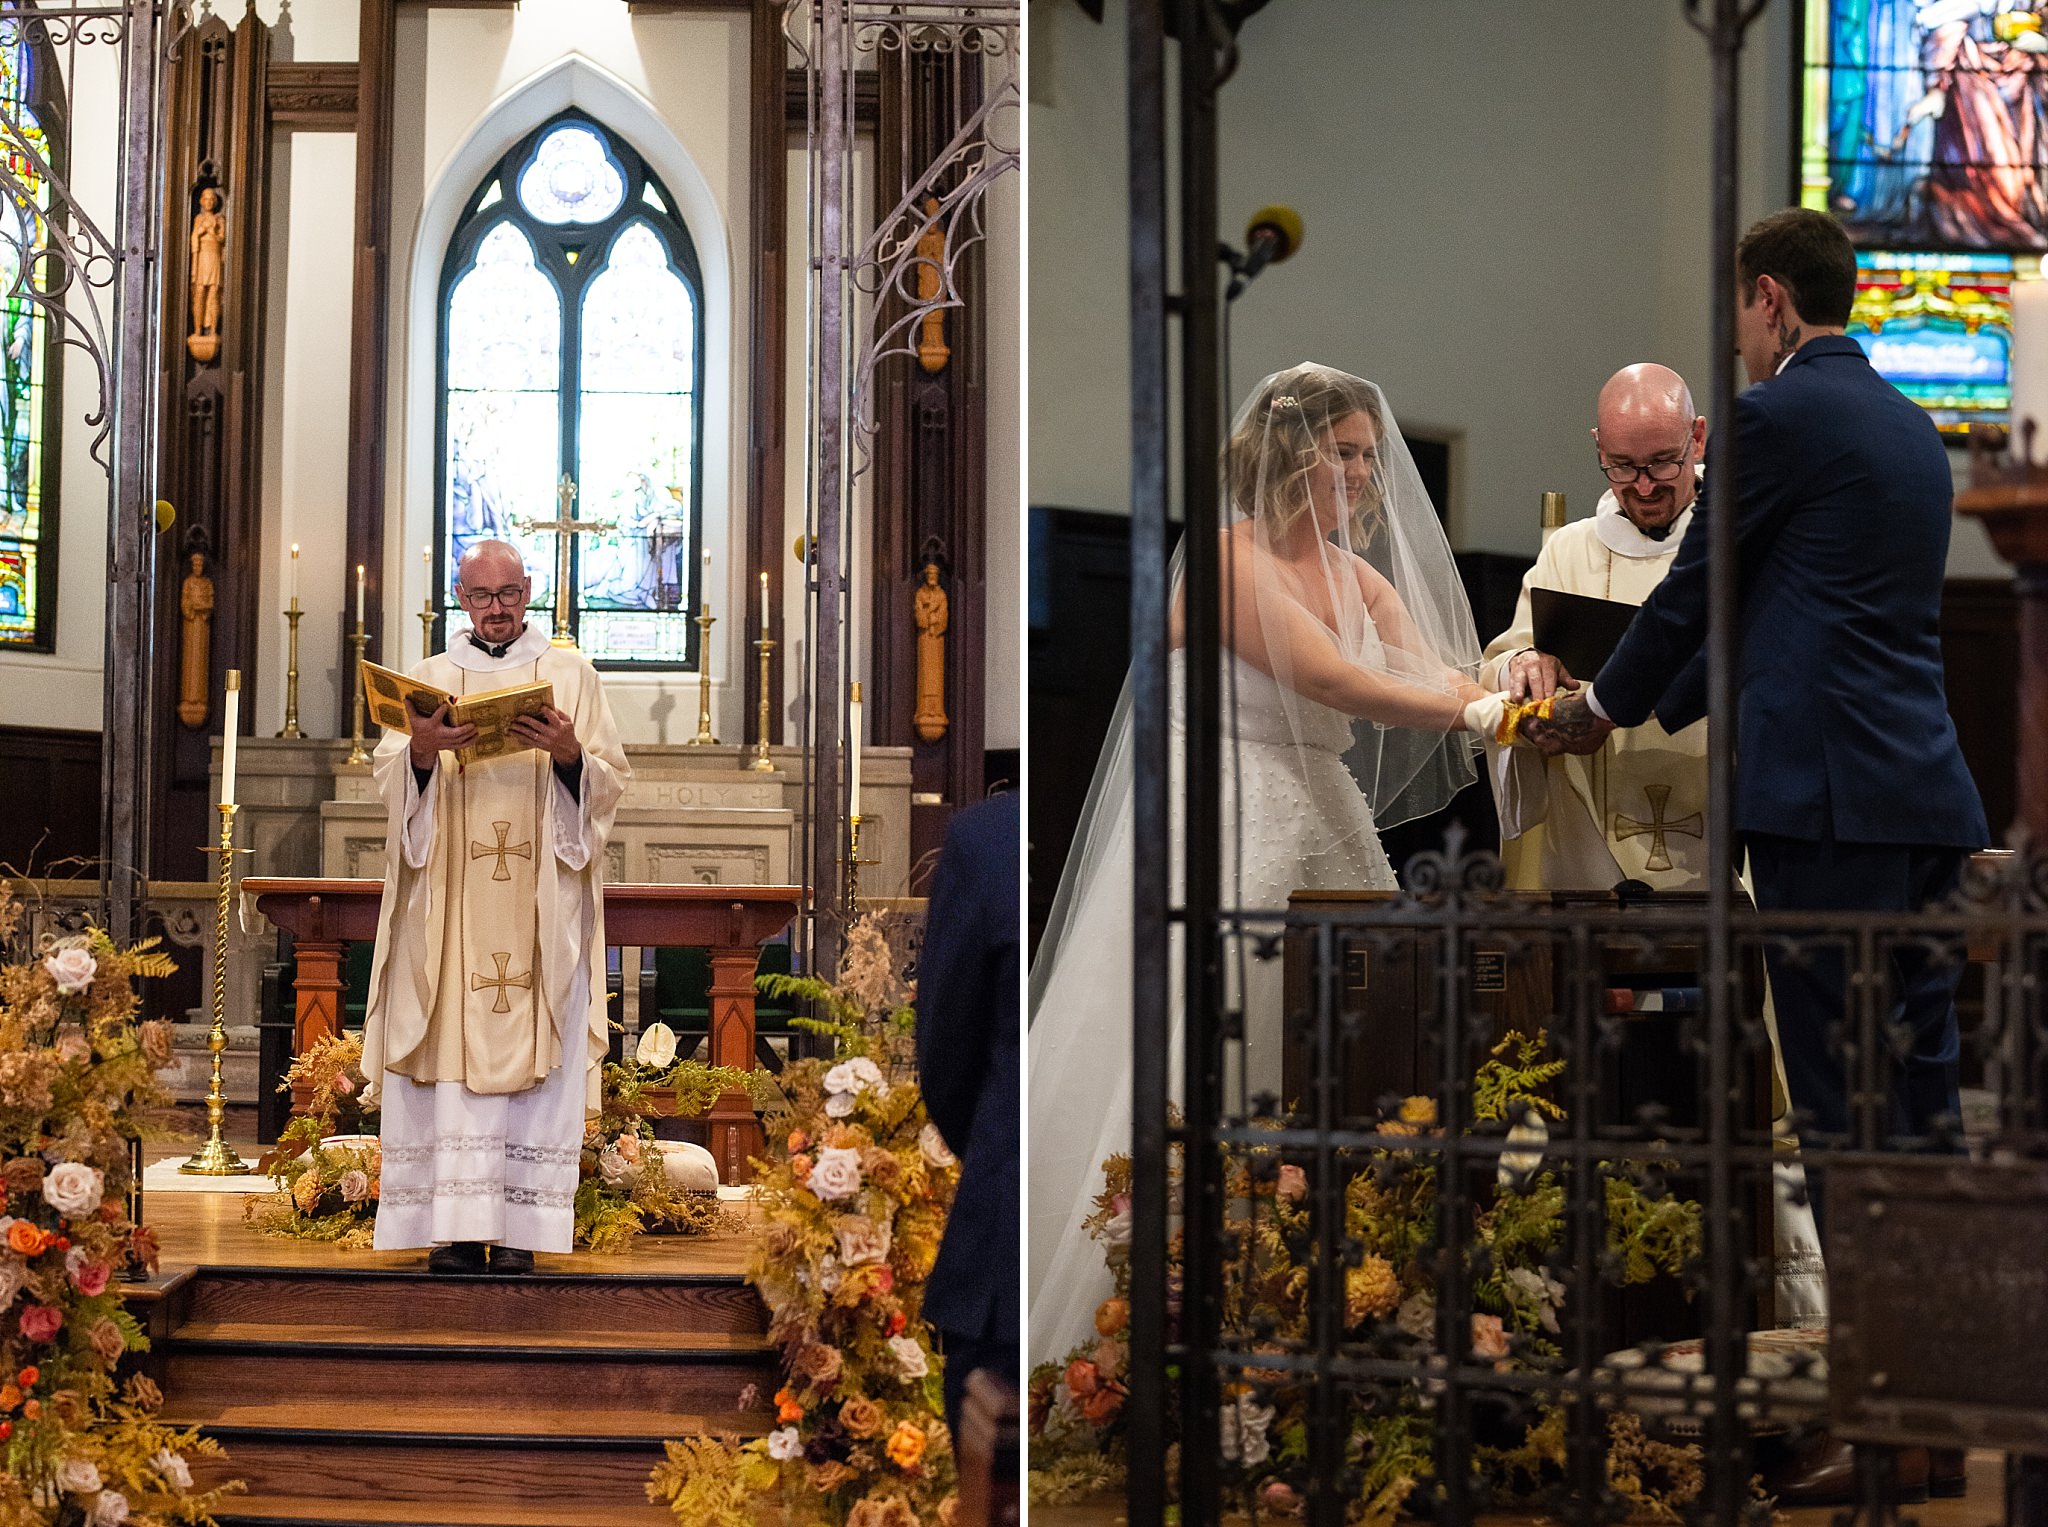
(1670, 629)
(953, 1010)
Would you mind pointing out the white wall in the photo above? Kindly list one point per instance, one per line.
(1003, 666)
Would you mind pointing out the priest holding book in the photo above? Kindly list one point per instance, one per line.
(1633, 810)
(486, 1023)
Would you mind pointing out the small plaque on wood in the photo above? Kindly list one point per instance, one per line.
(1938, 1297)
(1489, 970)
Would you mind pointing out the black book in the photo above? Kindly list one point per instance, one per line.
(1578, 630)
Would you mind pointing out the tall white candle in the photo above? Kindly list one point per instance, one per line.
(295, 572)
(227, 743)
(853, 753)
(764, 604)
(359, 593)
(2030, 360)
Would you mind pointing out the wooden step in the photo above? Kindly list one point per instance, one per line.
(319, 1511)
(682, 1343)
(483, 1474)
(504, 1380)
(434, 1418)
(536, 1303)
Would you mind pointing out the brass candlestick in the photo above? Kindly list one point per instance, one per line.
(291, 673)
(762, 763)
(704, 739)
(853, 863)
(355, 738)
(216, 1158)
(427, 630)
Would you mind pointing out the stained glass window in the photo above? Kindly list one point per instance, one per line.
(27, 418)
(571, 359)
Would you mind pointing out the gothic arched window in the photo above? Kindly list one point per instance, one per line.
(572, 367)
(31, 148)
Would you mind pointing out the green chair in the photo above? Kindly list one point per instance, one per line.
(675, 988)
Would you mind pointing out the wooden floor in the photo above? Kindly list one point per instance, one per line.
(1983, 1506)
(206, 1230)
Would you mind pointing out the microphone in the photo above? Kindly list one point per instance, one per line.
(1273, 234)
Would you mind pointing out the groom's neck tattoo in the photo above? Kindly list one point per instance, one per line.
(1789, 340)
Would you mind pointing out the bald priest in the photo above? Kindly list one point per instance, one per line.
(486, 1023)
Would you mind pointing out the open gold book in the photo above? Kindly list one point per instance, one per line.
(394, 699)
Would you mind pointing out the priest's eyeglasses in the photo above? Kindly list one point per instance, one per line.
(509, 596)
(1621, 474)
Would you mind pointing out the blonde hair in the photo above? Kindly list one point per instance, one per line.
(1272, 456)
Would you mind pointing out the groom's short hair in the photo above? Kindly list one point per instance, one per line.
(1808, 254)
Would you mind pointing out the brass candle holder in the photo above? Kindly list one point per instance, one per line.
(361, 642)
(216, 1158)
(704, 738)
(853, 863)
(762, 763)
(426, 630)
(291, 672)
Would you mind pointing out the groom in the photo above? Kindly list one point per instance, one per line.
(1850, 790)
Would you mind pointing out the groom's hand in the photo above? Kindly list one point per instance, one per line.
(1571, 728)
(1533, 675)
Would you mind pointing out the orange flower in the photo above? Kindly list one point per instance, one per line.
(9, 1397)
(26, 1238)
(32, 1409)
(28, 1376)
(1082, 1378)
(1111, 1316)
(1101, 1406)
(906, 1445)
(798, 1141)
(786, 1408)
(896, 1322)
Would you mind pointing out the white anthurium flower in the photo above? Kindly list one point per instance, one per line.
(657, 1047)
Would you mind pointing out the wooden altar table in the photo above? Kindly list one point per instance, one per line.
(732, 921)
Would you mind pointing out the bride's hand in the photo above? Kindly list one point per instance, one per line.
(1482, 717)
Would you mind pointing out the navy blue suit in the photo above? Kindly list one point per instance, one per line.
(1850, 790)
(967, 1022)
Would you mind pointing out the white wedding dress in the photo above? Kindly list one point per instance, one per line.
(1306, 826)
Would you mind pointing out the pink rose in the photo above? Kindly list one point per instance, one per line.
(73, 1048)
(629, 1147)
(39, 1322)
(836, 1173)
(344, 1086)
(88, 1276)
(1489, 1339)
(1293, 1183)
(107, 1340)
(72, 1188)
(862, 1241)
(355, 1186)
(72, 969)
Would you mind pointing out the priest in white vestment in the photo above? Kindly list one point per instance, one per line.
(487, 1026)
(1636, 809)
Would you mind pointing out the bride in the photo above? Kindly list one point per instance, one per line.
(1347, 707)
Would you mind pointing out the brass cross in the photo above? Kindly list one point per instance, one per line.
(485, 851)
(479, 982)
(1626, 827)
(564, 525)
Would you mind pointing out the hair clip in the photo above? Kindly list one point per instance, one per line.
(1285, 400)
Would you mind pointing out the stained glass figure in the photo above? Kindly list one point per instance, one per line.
(504, 402)
(572, 334)
(572, 178)
(25, 163)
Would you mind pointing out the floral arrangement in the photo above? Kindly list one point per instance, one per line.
(327, 1163)
(1076, 1420)
(849, 1208)
(77, 1082)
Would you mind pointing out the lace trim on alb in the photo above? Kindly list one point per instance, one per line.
(546, 1155)
(542, 1198)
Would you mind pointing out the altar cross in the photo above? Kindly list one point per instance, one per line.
(478, 981)
(500, 871)
(564, 525)
(1626, 827)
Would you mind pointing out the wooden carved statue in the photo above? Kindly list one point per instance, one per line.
(932, 350)
(928, 606)
(209, 237)
(195, 603)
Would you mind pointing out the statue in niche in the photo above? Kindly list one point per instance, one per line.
(195, 603)
(932, 350)
(928, 606)
(209, 238)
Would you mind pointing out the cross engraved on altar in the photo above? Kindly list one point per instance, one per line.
(499, 871)
(1626, 827)
(565, 526)
(479, 982)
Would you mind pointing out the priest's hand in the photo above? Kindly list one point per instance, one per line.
(1572, 727)
(1533, 675)
(432, 735)
(552, 732)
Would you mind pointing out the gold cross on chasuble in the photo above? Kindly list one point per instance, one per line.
(478, 981)
(1626, 827)
(501, 849)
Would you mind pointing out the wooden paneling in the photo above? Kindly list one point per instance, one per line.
(49, 780)
(313, 97)
(1980, 649)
